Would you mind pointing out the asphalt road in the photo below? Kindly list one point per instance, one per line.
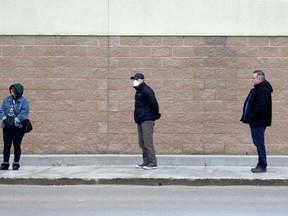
(108, 200)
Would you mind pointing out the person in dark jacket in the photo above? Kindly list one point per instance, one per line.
(145, 113)
(14, 110)
(257, 112)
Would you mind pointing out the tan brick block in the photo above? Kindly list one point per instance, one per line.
(215, 128)
(247, 51)
(237, 149)
(204, 73)
(44, 40)
(215, 106)
(130, 41)
(223, 73)
(236, 62)
(76, 40)
(216, 41)
(204, 95)
(151, 63)
(214, 149)
(279, 41)
(277, 149)
(215, 84)
(269, 51)
(258, 41)
(237, 41)
(193, 149)
(151, 41)
(185, 51)
(6, 40)
(226, 95)
(173, 41)
(278, 63)
(215, 62)
(182, 95)
(194, 41)
(184, 73)
(23, 40)
(64, 51)
(140, 51)
(182, 128)
(98, 51)
(225, 51)
(241, 84)
(12, 50)
(162, 52)
(192, 106)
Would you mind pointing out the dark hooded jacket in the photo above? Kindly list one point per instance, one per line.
(146, 105)
(259, 107)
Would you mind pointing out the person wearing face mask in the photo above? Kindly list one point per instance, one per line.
(14, 110)
(145, 113)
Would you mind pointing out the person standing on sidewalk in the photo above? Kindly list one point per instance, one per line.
(257, 112)
(145, 113)
(14, 110)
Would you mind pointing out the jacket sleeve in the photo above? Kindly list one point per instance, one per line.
(152, 101)
(24, 112)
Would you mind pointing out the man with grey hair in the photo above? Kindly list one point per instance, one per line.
(257, 112)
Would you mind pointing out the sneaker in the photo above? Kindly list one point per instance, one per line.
(140, 166)
(150, 167)
(258, 170)
(4, 166)
(15, 166)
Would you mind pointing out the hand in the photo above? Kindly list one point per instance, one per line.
(17, 121)
(158, 116)
(4, 118)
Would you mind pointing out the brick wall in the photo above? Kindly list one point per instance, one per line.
(82, 100)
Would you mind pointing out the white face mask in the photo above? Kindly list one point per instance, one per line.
(135, 83)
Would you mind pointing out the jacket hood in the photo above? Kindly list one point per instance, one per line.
(19, 89)
(265, 84)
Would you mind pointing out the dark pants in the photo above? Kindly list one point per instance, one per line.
(15, 136)
(258, 140)
(145, 135)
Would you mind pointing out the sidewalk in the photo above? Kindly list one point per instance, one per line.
(120, 169)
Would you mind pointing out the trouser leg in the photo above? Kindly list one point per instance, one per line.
(259, 141)
(147, 129)
(141, 144)
(7, 140)
(17, 140)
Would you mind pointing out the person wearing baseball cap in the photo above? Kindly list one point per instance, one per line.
(145, 113)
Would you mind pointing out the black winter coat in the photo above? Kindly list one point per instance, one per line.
(146, 105)
(259, 111)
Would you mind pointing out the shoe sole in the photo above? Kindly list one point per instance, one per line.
(149, 168)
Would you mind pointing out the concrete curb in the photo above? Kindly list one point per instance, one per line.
(163, 160)
(147, 182)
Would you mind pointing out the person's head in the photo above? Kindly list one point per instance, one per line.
(258, 77)
(16, 90)
(138, 78)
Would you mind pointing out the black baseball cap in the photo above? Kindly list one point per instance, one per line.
(137, 76)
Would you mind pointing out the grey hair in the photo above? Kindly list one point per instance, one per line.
(260, 74)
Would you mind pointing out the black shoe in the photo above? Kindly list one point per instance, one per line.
(15, 166)
(258, 170)
(140, 166)
(4, 166)
(150, 167)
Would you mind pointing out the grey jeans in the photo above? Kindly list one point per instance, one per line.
(145, 135)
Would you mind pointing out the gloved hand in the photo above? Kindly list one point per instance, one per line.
(4, 118)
